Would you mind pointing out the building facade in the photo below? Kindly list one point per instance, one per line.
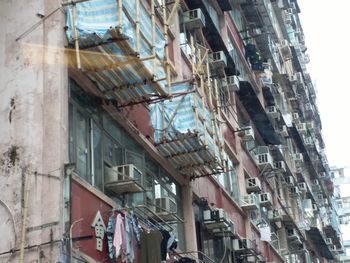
(198, 118)
(341, 184)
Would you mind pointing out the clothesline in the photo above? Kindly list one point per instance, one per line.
(124, 235)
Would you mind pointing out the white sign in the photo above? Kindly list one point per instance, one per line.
(100, 230)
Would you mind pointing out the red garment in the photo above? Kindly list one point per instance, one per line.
(119, 240)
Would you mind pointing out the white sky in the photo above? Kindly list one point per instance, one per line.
(326, 27)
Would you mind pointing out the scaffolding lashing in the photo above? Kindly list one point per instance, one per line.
(184, 133)
(119, 46)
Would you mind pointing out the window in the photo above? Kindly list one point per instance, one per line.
(229, 181)
(96, 142)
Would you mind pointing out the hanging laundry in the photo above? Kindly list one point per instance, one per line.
(130, 237)
(172, 243)
(164, 244)
(136, 226)
(119, 240)
(110, 236)
(150, 247)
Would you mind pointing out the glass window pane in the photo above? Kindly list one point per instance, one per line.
(72, 151)
(97, 148)
(82, 146)
(113, 152)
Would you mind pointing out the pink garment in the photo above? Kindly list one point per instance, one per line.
(119, 240)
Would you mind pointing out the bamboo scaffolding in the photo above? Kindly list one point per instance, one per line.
(137, 22)
(76, 36)
(166, 50)
(120, 16)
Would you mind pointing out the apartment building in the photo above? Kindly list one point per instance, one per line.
(341, 184)
(193, 119)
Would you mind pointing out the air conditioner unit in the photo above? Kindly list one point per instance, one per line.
(302, 127)
(265, 199)
(302, 187)
(242, 244)
(280, 165)
(284, 131)
(310, 126)
(272, 111)
(165, 205)
(248, 133)
(263, 160)
(226, 229)
(295, 116)
(329, 241)
(306, 59)
(215, 218)
(275, 215)
(218, 60)
(285, 50)
(320, 197)
(298, 157)
(287, 17)
(123, 178)
(194, 19)
(322, 175)
(315, 185)
(289, 181)
(294, 191)
(308, 141)
(232, 83)
(332, 248)
(289, 11)
(325, 201)
(299, 78)
(291, 234)
(253, 185)
(249, 202)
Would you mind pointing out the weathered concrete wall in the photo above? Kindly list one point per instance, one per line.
(33, 128)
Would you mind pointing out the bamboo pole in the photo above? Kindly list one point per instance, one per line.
(218, 107)
(166, 50)
(76, 36)
(137, 22)
(193, 57)
(25, 213)
(163, 123)
(203, 103)
(195, 109)
(120, 14)
(173, 11)
(153, 44)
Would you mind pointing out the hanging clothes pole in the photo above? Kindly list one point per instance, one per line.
(167, 62)
(25, 213)
(120, 16)
(76, 35)
(137, 22)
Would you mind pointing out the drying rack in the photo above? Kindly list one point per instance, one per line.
(151, 219)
